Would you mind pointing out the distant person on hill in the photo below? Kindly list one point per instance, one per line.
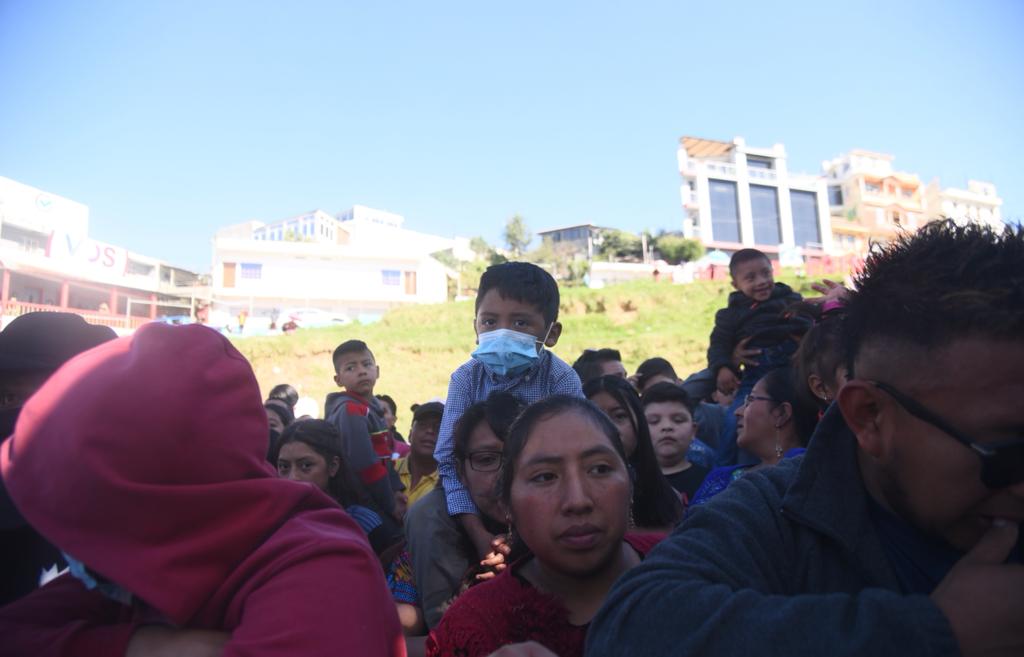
(594, 363)
(754, 332)
(357, 415)
(516, 317)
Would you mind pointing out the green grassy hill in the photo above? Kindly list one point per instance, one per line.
(418, 347)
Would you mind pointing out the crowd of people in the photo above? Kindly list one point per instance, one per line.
(845, 477)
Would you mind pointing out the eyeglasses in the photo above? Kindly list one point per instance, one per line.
(1002, 464)
(485, 461)
(753, 398)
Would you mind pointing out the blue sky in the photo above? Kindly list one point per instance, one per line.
(170, 120)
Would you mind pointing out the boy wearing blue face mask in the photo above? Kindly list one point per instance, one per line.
(516, 317)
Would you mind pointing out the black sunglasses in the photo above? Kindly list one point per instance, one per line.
(1002, 464)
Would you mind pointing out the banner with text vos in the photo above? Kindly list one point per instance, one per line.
(87, 253)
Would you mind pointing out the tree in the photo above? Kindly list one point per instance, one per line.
(517, 235)
(480, 247)
(620, 245)
(675, 248)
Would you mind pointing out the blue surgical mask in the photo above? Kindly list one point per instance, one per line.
(506, 352)
(92, 581)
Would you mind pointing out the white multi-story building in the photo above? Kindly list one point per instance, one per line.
(737, 196)
(357, 265)
(48, 262)
(978, 203)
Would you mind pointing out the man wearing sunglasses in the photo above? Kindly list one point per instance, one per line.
(898, 532)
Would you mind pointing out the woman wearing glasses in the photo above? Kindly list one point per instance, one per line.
(774, 423)
(440, 553)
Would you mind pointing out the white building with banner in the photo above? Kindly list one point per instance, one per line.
(48, 262)
(352, 266)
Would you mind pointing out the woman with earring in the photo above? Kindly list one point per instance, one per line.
(774, 423)
(566, 490)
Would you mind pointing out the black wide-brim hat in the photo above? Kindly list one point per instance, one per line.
(43, 341)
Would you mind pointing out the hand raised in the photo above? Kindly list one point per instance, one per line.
(983, 598)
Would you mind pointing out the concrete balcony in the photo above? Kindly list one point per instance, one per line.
(721, 168)
(762, 174)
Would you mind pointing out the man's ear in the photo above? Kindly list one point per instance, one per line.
(337, 382)
(863, 406)
(553, 335)
(476, 332)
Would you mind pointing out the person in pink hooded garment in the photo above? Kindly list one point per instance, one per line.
(143, 460)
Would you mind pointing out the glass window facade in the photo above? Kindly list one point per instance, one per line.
(725, 212)
(806, 230)
(764, 208)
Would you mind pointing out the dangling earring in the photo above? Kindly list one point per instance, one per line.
(778, 444)
(632, 520)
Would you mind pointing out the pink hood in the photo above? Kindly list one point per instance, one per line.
(144, 458)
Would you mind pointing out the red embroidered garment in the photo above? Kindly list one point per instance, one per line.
(508, 609)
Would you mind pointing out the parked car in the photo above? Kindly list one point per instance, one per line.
(175, 319)
(312, 317)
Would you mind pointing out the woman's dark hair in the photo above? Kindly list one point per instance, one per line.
(285, 393)
(655, 502)
(821, 353)
(281, 409)
(543, 410)
(324, 439)
(781, 386)
(389, 402)
(653, 367)
(499, 411)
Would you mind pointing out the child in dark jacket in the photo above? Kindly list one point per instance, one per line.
(756, 316)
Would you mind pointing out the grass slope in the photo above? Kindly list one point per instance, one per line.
(418, 347)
